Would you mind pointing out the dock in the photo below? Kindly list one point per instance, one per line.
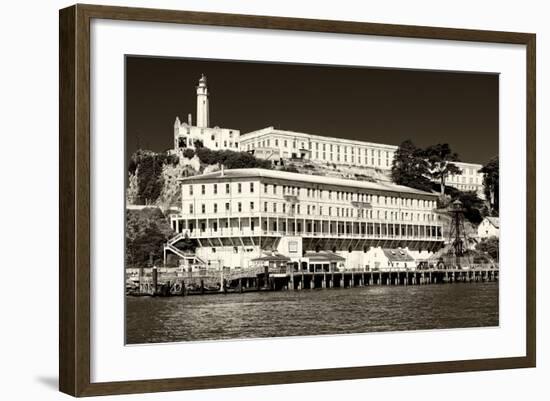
(175, 282)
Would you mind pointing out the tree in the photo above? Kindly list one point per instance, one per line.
(150, 182)
(189, 153)
(489, 246)
(491, 183)
(146, 232)
(410, 168)
(472, 205)
(440, 159)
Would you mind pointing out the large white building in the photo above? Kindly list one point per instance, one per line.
(471, 178)
(185, 133)
(275, 144)
(280, 145)
(239, 215)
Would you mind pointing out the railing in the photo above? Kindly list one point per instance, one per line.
(239, 233)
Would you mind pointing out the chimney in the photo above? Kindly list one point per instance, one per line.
(189, 119)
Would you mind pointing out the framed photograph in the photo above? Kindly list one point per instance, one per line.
(249, 200)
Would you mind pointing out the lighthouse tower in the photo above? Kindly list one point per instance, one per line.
(203, 119)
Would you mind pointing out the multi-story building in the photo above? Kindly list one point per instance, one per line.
(238, 215)
(279, 145)
(275, 144)
(471, 178)
(185, 133)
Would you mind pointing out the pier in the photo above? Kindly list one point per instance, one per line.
(175, 282)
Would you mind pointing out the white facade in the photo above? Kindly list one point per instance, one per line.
(471, 178)
(236, 215)
(489, 227)
(216, 138)
(274, 144)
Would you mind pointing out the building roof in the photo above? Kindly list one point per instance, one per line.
(324, 256)
(275, 257)
(398, 255)
(495, 221)
(305, 178)
(273, 130)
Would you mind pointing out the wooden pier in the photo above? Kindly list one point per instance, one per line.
(174, 282)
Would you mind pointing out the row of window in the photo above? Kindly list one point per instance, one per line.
(312, 210)
(464, 180)
(312, 193)
(333, 153)
(363, 229)
(318, 146)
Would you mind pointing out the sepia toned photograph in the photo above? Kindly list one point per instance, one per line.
(278, 200)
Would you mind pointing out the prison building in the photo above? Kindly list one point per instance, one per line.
(238, 215)
(471, 179)
(276, 145)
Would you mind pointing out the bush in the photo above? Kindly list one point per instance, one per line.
(188, 153)
(291, 168)
(489, 246)
(147, 167)
(231, 159)
(146, 232)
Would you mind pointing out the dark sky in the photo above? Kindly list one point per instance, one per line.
(376, 105)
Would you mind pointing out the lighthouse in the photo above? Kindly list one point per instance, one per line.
(203, 119)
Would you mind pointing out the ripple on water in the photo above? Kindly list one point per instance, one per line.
(316, 312)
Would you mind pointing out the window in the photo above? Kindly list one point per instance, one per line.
(274, 207)
(265, 188)
(226, 188)
(215, 189)
(274, 189)
(203, 189)
(227, 207)
(240, 207)
(251, 187)
(215, 208)
(284, 207)
(239, 188)
(203, 208)
(190, 208)
(190, 189)
(251, 206)
(276, 142)
(265, 207)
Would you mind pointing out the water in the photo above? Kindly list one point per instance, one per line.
(311, 312)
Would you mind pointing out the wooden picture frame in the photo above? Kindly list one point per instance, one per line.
(74, 203)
